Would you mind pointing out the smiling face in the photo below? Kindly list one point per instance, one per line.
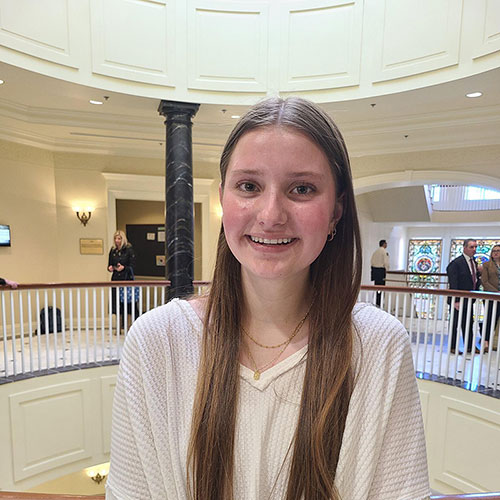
(118, 241)
(278, 202)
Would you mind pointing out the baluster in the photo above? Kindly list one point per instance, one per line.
(103, 326)
(110, 321)
(79, 324)
(4, 328)
(125, 310)
(21, 330)
(30, 329)
(87, 337)
(13, 334)
(38, 332)
(54, 323)
(70, 302)
(465, 335)
(63, 326)
(434, 300)
(47, 334)
(118, 326)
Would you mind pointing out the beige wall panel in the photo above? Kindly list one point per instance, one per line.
(227, 45)
(487, 39)
(321, 44)
(416, 37)
(108, 384)
(80, 187)
(49, 40)
(123, 48)
(28, 204)
(465, 455)
(50, 427)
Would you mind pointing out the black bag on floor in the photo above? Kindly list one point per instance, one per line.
(50, 312)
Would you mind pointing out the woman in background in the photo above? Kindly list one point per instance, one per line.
(276, 385)
(490, 275)
(121, 262)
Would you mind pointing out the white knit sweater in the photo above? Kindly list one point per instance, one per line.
(383, 449)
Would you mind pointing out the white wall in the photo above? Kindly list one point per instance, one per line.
(462, 431)
(59, 424)
(329, 50)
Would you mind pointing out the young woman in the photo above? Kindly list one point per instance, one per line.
(490, 278)
(121, 262)
(277, 385)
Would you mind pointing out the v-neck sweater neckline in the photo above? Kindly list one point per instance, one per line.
(247, 374)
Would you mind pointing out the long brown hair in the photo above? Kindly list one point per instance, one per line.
(335, 279)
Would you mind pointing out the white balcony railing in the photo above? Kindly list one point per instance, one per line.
(57, 327)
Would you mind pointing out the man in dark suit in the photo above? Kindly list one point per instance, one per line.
(463, 275)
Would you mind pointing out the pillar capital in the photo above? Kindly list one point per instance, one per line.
(171, 108)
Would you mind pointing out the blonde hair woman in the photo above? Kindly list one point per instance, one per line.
(277, 385)
(121, 262)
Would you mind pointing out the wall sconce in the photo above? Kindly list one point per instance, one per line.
(98, 473)
(97, 477)
(83, 214)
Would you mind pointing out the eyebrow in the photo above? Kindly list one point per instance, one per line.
(297, 175)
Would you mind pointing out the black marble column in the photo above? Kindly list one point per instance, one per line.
(179, 219)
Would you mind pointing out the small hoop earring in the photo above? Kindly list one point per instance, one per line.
(331, 235)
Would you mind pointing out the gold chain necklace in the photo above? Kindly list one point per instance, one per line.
(297, 328)
(257, 371)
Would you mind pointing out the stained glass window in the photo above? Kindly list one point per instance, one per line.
(424, 257)
(483, 249)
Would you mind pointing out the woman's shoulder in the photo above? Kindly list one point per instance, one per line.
(381, 342)
(171, 322)
(374, 326)
(489, 265)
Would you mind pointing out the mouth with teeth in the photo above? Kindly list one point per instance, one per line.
(277, 241)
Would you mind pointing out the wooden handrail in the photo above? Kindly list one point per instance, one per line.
(435, 291)
(100, 284)
(108, 284)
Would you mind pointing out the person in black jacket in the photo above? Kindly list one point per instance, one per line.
(463, 274)
(121, 262)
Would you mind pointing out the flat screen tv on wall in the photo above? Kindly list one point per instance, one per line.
(4, 235)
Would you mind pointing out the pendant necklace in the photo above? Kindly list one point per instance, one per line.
(257, 371)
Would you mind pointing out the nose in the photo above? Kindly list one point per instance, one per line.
(272, 210)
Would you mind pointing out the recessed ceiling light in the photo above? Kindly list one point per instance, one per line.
(95, 102)
(474, 94)
(235, 116)
(1, 81)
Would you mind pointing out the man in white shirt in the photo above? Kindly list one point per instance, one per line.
(380, 265)
(463, 274)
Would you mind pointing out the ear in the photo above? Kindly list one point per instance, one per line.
(221, 192)
(337, 213)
